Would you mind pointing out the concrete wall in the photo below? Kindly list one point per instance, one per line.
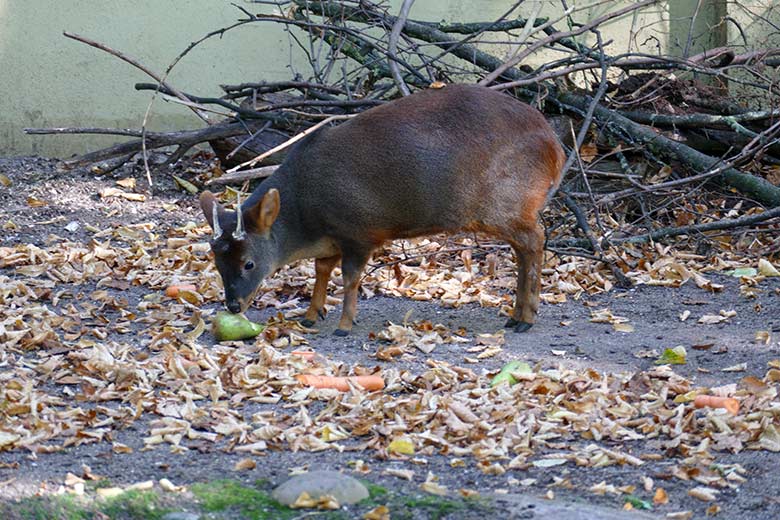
(48, 80)
(759, 22)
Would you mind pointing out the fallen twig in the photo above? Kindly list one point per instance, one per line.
(669, 232)
(244, 175)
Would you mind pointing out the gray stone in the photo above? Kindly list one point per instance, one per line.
(345, 489)
(181, 515)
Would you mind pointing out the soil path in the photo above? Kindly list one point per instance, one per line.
(564, 336)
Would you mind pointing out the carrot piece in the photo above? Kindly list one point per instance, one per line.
(714, 401)
(342, 383)
(173, 290)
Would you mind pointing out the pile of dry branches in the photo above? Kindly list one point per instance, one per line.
(654, 151)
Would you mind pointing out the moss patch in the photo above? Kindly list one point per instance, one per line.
(403, 506)
(229, 499)
(251, 502)
(375, 492)
(436, 507)
(65, 507)
(132, 505)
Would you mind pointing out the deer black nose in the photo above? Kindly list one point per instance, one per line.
(234, 307)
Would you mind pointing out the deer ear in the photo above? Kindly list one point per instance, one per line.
(264, 213)
(207, 200)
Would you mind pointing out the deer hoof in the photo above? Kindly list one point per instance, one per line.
(522, 326)
(307, 323)
(511, 323)
(341, 333)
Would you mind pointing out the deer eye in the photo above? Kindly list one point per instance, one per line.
(249, 265)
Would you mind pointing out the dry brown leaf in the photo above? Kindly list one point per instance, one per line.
(35, 202)
(170, 487)
(660, 497)
(606, 316)
(116, 192)
(304, 501)
(766, 268)
(145, 485)
(71, 479)
(703, 493)
(433, 488)
(405, 474)
(712, 319)
(119, 448)
(378, 513)
(588, 152)
(245, 464)
(127, 182)
(109, 492)
(468, 493)
(623, 327)
(680, 515)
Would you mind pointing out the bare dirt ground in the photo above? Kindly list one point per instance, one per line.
(565, 338)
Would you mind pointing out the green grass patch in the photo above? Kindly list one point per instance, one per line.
(403, 506)
(232, 499)
(62, 507)
(436, 507)
(375, 491)
(132, 505)
(97, 484)
(252, 503)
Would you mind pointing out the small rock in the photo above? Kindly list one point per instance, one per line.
(345, 489)
(181, 515)
(73, 226)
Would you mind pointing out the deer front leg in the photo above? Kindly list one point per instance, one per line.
(322, 267)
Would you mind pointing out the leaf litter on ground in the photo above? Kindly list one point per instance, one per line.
(62, 352)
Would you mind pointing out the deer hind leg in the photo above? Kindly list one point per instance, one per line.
(528, 245)
(322, 267)
(353, 261)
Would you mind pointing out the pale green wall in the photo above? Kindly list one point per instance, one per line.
(706, 30)
(48, 80)
(759, 20)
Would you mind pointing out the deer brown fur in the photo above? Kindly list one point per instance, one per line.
(460, 158)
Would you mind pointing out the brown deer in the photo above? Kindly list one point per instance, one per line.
(459, 158)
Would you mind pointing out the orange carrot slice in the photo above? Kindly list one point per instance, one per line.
(173, 290)
(714, 401)
(342, 383)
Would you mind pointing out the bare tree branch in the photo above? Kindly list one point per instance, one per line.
(393, 46)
